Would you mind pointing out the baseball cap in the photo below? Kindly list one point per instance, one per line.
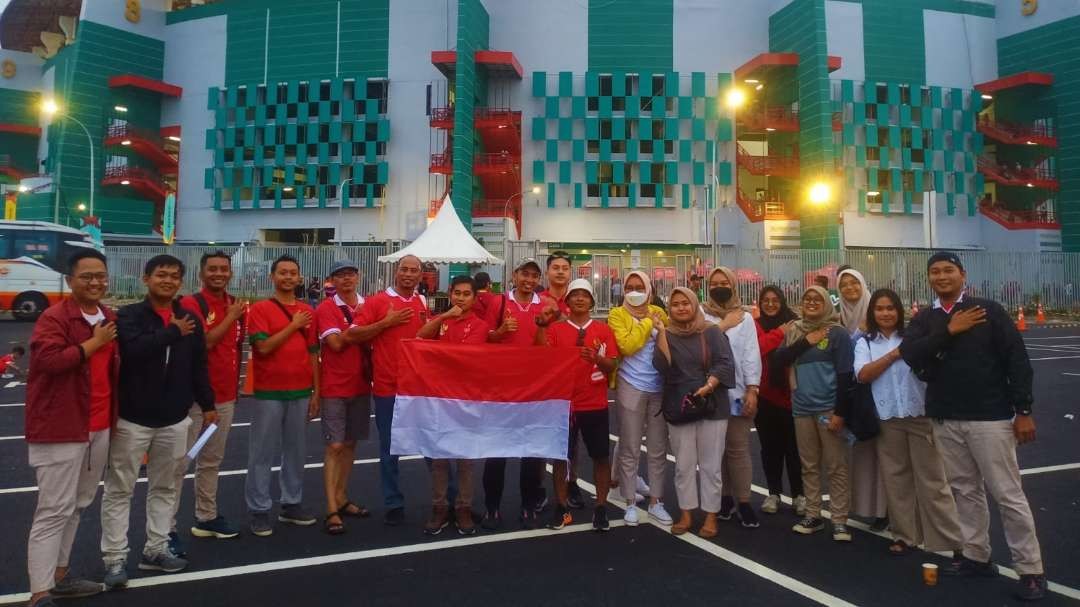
(582, 284)
(528, 261)
(342, 264)
(948, 256)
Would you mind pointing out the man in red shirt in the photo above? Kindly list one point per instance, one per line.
(345, 389)
(458, 325)
(221, 315)
(589, 408)
(8, 368)
(513, 317)
(285, 357)
(71, 401)
(387, 318)
(558, 278)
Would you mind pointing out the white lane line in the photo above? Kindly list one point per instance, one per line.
(1060, 337)
(329, 559)
(754, 567)
(234, 425)
(12, 405)
(12, 384)
(142, 479)
(1073, 374)
(1055, 358)
(1043, 469)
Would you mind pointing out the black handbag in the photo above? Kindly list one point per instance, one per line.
(863, 420)
(691, 408)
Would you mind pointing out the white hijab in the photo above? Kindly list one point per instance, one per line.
(853, 314)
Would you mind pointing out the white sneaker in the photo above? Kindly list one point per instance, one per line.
(642, 488)
(771, 504)
(658, 513)
(631, 516)
(800, 505)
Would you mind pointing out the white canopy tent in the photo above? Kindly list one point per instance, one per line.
(445, 241)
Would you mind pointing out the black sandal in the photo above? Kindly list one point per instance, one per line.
(360, 512)
(898, 548)
(331, 527)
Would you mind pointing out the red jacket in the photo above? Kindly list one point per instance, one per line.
(58, 387)
(767, 342)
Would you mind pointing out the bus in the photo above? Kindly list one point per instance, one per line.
(33, 259)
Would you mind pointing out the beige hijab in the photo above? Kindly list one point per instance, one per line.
(853, 315)
(733, 304)
(808, 324)
(643, 310)
(696, 325)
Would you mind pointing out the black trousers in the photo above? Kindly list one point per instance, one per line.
(776, 431)
(530, 479)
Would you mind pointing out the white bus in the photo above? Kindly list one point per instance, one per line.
(33, 259)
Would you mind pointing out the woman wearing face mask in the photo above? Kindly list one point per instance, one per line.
(638, 388)
(724, 309)
(818, 351)
(868, 488)
(775, 426)
(694, 356)
(921, 503)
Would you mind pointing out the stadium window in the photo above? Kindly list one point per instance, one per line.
(905, 94)
(605, 85)
(324, 91)
(302, 92)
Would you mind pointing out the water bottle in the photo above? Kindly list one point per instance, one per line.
(845, 434)
(736, 407)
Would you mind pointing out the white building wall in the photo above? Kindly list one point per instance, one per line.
(876, 230)
(111, 13)
(961, 50)
(1009, 19)
(27, 71)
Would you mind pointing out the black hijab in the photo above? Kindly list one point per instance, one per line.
(785, 315)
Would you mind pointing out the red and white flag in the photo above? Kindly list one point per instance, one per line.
(478, 401)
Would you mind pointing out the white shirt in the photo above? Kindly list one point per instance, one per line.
(746, 353)
(897, 392)
(94, 318)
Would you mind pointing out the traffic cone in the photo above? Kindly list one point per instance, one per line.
(1021, 324)
(248, 388)
(1040, 316)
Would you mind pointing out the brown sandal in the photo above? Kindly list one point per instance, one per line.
(683, 525)
(359, 512)
(709, 527)
(331, 527)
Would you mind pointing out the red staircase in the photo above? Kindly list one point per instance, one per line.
(772, 165)
(144, 181)
(149, 145)
(1018, 134)
(1042, 217)
(1038, 177)
(499, 169)
(780, 119)
(771, 208)
(7, 167)
(442, 164)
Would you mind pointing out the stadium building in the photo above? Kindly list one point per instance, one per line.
(601, 125)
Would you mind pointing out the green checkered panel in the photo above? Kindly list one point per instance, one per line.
(291, 144)
(628, 139)
(903, 139)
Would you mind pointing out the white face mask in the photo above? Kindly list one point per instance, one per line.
(635, 298)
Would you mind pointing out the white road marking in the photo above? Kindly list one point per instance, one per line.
(1055, 358)
(1059, 337)
(1043, 469)
(12, 384)
(1073, 374)
(13, 405)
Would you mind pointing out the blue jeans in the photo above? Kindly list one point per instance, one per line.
(388, 464)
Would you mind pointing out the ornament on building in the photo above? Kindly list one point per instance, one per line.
(8, 69)
(1028, 7)
(133, 10)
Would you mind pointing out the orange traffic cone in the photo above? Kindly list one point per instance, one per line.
(1040, 316)
(248, 388)
(1021, 324)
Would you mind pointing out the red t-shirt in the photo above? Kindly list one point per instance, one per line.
(165, 314)
(101, 388)
(342, 373)
(224, 359)
(591, 385)
(285, 374)
(386, 347)
(467, 329)
(485, 300)
(525, 314)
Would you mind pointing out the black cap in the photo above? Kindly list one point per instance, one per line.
(948, 256)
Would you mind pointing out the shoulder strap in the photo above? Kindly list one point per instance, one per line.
(204, 307)
(288, 317)
(347, 312)
(704, 352)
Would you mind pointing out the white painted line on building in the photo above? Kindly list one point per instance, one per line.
(329, 559)
(1043, 469)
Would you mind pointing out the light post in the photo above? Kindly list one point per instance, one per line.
(341, 210)
(506, 206)
(50, 109)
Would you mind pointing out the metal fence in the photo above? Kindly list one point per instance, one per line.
(1011, 278)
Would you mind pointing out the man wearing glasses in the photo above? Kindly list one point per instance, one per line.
(71, 400)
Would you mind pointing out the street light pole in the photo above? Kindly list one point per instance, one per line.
(341, 209)
(90, 141)
(50, 108)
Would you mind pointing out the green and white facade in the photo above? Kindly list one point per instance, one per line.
(584, 124)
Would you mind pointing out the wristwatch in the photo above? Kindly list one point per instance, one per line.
(1024, 411)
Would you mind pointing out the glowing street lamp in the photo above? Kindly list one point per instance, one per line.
(820, 193)
(51, 108)
(735, 98)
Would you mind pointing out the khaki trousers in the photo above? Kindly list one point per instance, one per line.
(921, 506)
(67, 476)
(823, 451)
(736, 466)
(637, 413)
(867, 487)
(698, 447)
(979, 456)
(440, 482)
(165, 448)
(207, 464)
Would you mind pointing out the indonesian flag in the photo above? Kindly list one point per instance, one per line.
(477, 401)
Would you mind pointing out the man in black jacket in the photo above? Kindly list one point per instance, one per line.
(979, 394)
(162, 371)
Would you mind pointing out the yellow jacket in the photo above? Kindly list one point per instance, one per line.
(631, 335)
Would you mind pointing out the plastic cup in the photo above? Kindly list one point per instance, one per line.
(929, 574)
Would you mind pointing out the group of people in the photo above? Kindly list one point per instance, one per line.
(951, 387)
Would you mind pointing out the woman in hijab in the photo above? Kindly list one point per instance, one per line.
(775, 426)
(694, 357)
(818, 357)
(638, 388)
(724, 308)
(868, 488)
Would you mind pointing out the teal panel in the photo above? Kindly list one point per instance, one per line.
(539, 128)
(566, 84)
(539, 84)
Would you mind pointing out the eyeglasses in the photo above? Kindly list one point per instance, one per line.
(580, 337)
(88, 278)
